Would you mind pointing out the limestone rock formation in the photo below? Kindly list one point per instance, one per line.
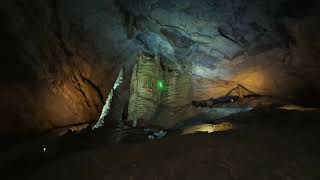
(61, 58)
(56, 69)
(144, 96)
(152, 103)
(244, 42)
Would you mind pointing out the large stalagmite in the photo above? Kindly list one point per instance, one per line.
(144, 97)
(147, 102)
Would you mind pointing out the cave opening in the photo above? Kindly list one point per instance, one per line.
(140, 89)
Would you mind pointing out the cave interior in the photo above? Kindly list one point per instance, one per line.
(160, 89)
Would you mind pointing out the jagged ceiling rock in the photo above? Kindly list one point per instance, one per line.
(203, 59)
(225, 46)
(145, 24)
(220, 28)
(247, 32)
(157, 45)
(177, 38)
(185, 22)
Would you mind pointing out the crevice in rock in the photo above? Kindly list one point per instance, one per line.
(178, 28)
(96, 88)
(127, 18)
(79, 80)
(223, 32)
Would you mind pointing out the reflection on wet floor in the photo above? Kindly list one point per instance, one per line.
(292, 107)
(209, 128)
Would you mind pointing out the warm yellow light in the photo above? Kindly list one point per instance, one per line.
(253, 79)
(292, 107)
(209, 128)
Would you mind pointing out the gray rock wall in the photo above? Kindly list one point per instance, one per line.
(262, 45)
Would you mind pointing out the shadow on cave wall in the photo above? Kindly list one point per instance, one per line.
(14, 73)
(296, 8)
(13, 68)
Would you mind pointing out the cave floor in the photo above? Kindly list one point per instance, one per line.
(269, 144)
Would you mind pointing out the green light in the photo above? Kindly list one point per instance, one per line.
(160, 85)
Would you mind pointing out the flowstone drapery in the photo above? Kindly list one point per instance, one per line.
(155, 87)
(144, 96)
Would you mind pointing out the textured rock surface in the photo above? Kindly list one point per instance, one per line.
(58, 65)
(260, 45)
(144, 96)
(60, 58)
(158, 105)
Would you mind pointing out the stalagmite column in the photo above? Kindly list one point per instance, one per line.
(144, 97)
(157, 90)
(178, 81)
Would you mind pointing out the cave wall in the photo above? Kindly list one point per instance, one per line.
(61, 58)
(265, 46)
(57, 70)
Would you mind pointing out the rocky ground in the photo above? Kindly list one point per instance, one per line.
(269, 144)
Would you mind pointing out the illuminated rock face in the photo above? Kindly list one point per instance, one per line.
(144, 96)
(56, 71)
(156, 90)
(261, 45)
(61, 58)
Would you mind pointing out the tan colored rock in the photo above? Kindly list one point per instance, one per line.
(156, 106)
(144, 97)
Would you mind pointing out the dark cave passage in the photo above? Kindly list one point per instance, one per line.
(161, 89)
